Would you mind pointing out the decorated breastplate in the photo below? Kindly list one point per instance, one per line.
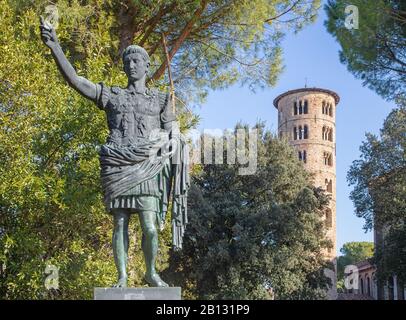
(132, 116)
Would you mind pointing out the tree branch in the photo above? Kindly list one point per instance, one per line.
(169, 72)
(231, 57)
(283, 13)
(182, 37)
(152, 23)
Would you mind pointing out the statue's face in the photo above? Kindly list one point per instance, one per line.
(135, 66)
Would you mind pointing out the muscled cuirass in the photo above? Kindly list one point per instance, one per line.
(132, 116)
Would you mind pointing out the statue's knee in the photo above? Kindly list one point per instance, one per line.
(120, 223)
(150, 232)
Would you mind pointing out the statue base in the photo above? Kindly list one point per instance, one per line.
(171, 293)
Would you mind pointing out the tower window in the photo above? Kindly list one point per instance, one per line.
(327, 108)
(327, 133)
(300, 133)
(328, 159)
(300, 107)
(329, 185)
(330, 135)
(303, 156)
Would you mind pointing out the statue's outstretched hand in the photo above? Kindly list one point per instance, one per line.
(48, 34)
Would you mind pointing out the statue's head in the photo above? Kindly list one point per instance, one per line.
(136, 62)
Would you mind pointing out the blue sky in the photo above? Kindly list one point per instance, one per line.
(311, 54)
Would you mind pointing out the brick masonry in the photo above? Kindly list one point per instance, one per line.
(315, 146)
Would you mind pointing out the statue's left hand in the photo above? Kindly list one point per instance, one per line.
(48, 34)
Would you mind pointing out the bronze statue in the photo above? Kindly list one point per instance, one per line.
(143, 161)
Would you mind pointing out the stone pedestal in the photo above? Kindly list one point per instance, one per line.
(172, 293)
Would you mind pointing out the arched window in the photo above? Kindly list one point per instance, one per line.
(329, 185)
(391, 286)
(327, 133)
(295, 133)
(300, 133)
(329, 218)
(368, 286)
(305, 132)
(295, 108)
(306, 107)
(328, 159)
(323, 107)
(362, 285)
(302, 156)
(330, 110)
(300, 107)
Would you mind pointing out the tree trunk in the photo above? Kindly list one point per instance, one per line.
(128, 27)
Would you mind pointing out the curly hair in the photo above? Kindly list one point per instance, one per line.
(136, 49)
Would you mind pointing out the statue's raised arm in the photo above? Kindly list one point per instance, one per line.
(80, 84)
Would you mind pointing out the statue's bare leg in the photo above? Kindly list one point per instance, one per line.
(150, 247)
(120, 244)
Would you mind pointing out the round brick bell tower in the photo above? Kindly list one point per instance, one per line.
(306, 117)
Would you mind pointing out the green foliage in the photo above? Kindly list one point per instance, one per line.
(379, 177)
(391, 257)
(379, 194)
(354, 252)
(376, 52)
(248, 233)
